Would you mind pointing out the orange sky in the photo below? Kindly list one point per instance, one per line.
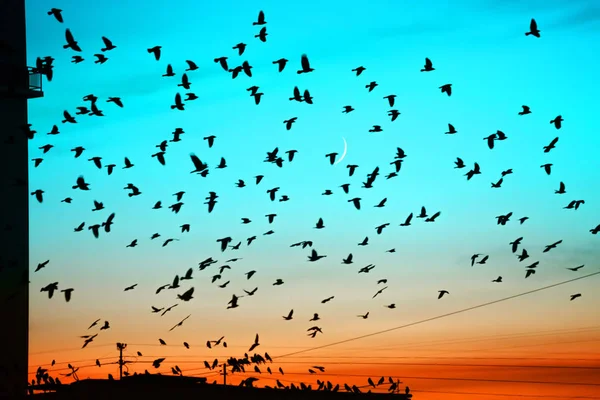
(431, 366)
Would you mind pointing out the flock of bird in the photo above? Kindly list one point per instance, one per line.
(45, 66)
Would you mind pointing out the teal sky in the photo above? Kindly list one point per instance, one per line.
(477, 46)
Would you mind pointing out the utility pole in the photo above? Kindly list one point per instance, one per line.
(121, 347)
(224, 374)
(18, 84)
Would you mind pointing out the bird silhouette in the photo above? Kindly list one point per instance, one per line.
(533, 29)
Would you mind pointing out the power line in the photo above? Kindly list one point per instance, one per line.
(198, 361)
(529, 345)
(67, 349)
(438, 317)
(447, 379)
(445, 365)
(492, 337)
(543, 396)
(76, 367)
(404, 346)
(71, 362)
(442, 358)
(429, 357)
(381, 357)
(442, 341)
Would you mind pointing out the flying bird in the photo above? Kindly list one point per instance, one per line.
(533, 29)
(57, 13)
(305, 64)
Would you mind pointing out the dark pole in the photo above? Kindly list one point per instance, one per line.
(120, 363)
(15, 90)
(224, 374)
(121, 347)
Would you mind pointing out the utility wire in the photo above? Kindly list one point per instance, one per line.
(198, 361)
(438, 317)
(75, 366)
(202, 357)
(447, 379)
(68, 349)
(480, 339)
(428, 343)
(473, 338)
(541, 396)
(70, 362)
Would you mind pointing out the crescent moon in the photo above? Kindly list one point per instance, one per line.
(344, 153)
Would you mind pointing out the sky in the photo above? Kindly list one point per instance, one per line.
(477, 46)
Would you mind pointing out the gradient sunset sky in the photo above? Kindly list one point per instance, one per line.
(477, 46)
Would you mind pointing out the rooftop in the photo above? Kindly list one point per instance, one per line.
(180, 386)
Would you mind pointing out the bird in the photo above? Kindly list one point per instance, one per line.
(281, 63)
(81, 184)
(156, 51)
(178, 103)
(240, 47)
(261, 19)
(525, 111)
(533, 29)
(57, 13)
(557, 121)
(169, 72)
(305, 64)
(101, 59)
(447, 88)
(442, 293)
(551, 145)
(71, 42)
(255, 344)
(262, 35)
(428, 66)
(289, 316)
(552, 246)
(547, 168)
(451, 130)
(38, 195)
(191, 65)
(115, 100)
(331, 157)
(108, 45)
(288, 123)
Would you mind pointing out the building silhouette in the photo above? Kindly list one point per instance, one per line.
(18, 83)
(179, 387)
